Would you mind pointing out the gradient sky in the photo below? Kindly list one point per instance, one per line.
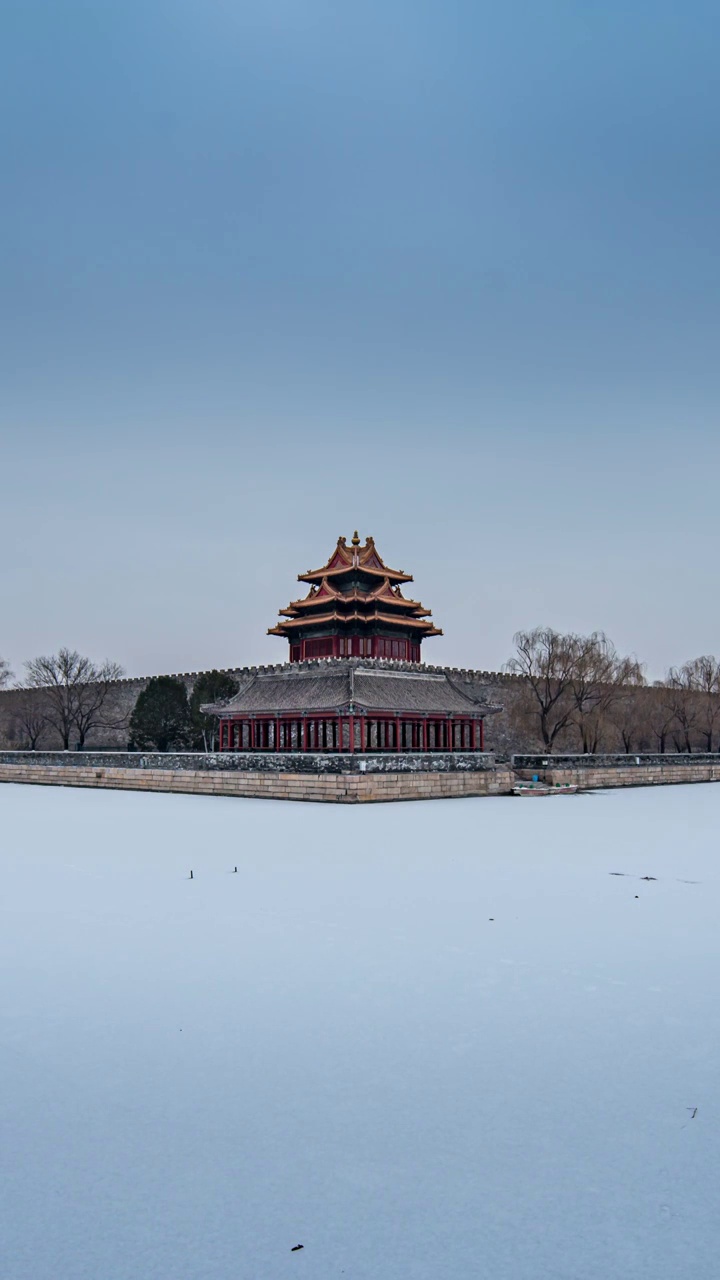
(445, 272)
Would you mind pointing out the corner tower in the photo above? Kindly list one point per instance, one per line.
(355, 608)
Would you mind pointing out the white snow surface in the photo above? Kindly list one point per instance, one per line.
(338, 1047)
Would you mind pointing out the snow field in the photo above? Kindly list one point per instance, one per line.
(426, 1041)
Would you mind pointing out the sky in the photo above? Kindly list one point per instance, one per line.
(446, 273)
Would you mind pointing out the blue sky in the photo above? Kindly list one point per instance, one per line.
(444, 272)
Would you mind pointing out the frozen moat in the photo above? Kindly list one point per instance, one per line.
(425, 1041)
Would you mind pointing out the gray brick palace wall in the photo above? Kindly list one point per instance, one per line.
(495, 687)
(508, 732)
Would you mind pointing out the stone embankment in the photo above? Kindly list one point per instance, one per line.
(345, 779)
(593, 772)
(340, 779)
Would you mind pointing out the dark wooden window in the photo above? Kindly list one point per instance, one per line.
(321, 647)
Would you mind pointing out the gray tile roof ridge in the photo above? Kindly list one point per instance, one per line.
(311, 672)
(395, 674)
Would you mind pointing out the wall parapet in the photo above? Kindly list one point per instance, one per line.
(620, 761)
(227, 762)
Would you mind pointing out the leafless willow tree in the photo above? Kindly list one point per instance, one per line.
(681, 701)
(696, 689)
(628, 714)
(574, 681)
(660, 716)
(545, 659)
(599, 675)
(76, 693)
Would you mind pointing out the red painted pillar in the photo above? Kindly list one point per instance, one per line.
(449, 742)
(482, 735)
(363, 724)
(252, 735)
(397, 734)
(425, 735)
(304, 734)
(352, 735)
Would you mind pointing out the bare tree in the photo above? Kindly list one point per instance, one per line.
(76, 693)
(598, 678)
(5, 673)
(546, 659)
(573, 681)
(701, 678)
(682, 700)
(29, 715)
(661, 715)
(629, 711)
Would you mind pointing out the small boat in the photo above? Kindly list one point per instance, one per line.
(545, 789)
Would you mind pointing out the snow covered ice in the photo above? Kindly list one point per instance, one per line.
(425, 1041)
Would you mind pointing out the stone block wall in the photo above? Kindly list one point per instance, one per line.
(272, 778)
(595, 772)
(345, 779)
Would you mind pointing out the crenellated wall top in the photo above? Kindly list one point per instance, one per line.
(313, 664)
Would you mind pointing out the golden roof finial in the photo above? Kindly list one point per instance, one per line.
(355, 539)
